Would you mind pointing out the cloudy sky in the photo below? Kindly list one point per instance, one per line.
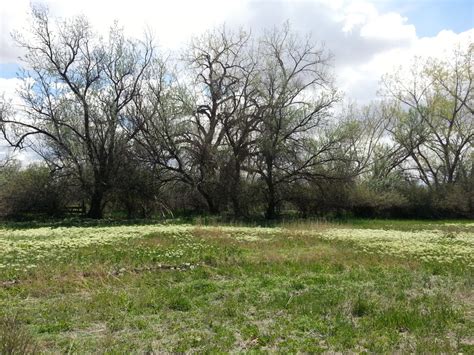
(368, 38)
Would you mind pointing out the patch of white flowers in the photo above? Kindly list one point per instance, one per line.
(427, 245)
(25, 249)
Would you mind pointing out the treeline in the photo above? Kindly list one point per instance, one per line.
(235, 124)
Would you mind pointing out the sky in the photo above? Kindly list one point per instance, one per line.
(367, 38)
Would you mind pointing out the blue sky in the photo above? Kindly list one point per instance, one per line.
(8, 70)
(432, 16)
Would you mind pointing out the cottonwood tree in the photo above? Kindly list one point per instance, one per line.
(241, 120)
(184, 128)
(296, 94)
(433, 116)
(76, 88)
(218, 64)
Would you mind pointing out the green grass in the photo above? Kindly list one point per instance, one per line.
(220, 289)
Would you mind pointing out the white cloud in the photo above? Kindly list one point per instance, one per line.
(172, 21)
(8, 88)
(12, 17)
(366, 42)
(361, 82)
(389, 26)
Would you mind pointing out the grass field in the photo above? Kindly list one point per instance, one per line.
(376, 286)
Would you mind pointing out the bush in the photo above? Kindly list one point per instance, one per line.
(32, 190)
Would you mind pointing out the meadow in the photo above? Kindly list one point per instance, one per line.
(361, 286)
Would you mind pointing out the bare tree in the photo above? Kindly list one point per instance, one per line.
(76, 89)
(186, 128)
(296, 94)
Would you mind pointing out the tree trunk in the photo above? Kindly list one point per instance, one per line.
(271, 195)
(236, 205)
(271, 204)
(130, 208)
(212, 207)
(235, 191)
(96, 206)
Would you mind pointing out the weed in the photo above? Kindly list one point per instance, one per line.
(15, 338)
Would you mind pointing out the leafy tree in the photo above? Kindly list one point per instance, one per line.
(76, 88)
(433, 116)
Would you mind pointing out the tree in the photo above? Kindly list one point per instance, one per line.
(433, 116)
(187, 129)
(295, 95)
(76, 88)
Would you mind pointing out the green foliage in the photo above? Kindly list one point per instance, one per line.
(30, 190)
